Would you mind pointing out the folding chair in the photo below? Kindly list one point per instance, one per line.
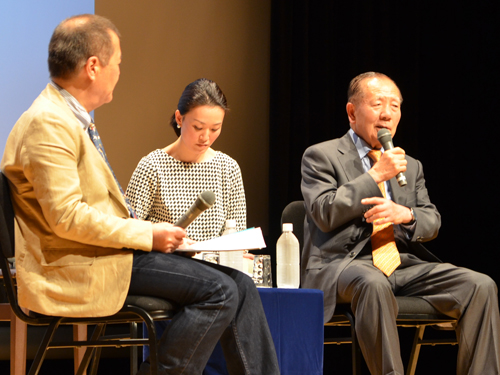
(137, 309)
(413, 311)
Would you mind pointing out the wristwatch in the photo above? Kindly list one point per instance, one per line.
(413, 217)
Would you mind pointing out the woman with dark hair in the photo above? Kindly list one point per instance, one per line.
(164, 186)
(167, 181)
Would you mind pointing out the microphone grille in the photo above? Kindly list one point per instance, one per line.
(208, 198)
(384, 135)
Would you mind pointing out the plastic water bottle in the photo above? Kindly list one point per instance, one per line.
(230, 227)
(233, 259)
(287, 256)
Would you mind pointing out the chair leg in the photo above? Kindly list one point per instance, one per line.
(42, 349)
(18, 345)
(90, 351)
(95, 362)
(355, 349)
(356, 353)
(150, 325)
(153, 350)
(79, 334)
(134, 365)
(415, 350)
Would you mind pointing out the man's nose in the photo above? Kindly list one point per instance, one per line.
(385, 113)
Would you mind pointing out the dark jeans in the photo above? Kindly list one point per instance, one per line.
(216, 303)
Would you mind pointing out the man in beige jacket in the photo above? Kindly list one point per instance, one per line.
(75, 233)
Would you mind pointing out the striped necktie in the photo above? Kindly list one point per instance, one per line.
(96, 140)
(384, 251)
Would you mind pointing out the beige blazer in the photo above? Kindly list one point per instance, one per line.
(73, 227)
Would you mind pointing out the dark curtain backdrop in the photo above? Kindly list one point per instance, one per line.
(444, 58)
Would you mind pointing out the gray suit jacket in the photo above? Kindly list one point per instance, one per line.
(335, 231)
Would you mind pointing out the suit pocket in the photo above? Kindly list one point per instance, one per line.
(64, 258)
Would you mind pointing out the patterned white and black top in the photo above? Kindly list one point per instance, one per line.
(162, 189)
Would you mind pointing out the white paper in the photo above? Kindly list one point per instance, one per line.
(244, 240)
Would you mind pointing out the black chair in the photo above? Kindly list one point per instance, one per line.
(137, 309)
(413, 311)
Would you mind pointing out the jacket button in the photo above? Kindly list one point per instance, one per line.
(352, 254)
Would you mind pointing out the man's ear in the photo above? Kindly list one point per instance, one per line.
(351, 109)
(92, 67)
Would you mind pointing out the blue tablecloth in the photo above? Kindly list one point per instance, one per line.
(295, 318)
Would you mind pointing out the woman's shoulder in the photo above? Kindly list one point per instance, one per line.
(227, 166)
(154, 162)
(223, 158)
(155, 157)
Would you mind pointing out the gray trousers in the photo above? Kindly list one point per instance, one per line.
(469, 296)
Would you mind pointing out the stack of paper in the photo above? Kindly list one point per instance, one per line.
(244, 240)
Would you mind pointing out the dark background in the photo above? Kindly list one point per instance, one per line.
(444, 58)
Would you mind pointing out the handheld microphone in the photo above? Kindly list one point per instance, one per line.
(205, 200)
(385, 138)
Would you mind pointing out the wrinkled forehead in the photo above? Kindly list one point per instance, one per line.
(380, 88)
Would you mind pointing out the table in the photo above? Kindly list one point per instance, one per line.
(295, 318)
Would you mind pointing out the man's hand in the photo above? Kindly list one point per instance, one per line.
(167, 238)
(390, 164)
(186, 244)
(387, 211)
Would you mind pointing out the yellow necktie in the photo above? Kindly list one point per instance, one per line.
(384, 251)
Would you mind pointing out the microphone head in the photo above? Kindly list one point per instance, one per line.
(384, 135)
(205, 200)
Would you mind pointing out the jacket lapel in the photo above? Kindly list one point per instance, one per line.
(349, 158)
(107, 174)
(398, 194)
(97, 160)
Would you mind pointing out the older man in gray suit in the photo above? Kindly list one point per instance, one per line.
(357, 213)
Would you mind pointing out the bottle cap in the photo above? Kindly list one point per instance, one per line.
(231, 223)
(287, 227)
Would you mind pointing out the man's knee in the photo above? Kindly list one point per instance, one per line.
(373, 296)
(246, 284)
(483, 284)
(477, 286)
(370, 286)
(374, 283)
(228, 291)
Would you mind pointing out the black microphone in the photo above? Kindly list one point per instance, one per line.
(385, 138)
(205, 200)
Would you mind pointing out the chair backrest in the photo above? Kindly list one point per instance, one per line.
(295, 213)
(6, 219)
(7, 249)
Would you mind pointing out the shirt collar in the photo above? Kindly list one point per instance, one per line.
(81, 114)
(361, 146)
